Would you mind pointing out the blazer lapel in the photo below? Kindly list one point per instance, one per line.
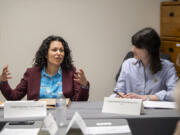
(37, 82)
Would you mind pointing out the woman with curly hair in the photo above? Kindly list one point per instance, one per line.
(52, 73)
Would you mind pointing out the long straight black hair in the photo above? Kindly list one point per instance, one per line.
(148, 39)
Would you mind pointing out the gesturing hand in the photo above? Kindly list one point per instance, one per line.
(81, 78)
(5, 75)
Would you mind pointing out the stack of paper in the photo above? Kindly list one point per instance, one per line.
(51, 102)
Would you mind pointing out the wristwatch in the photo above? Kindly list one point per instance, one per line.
(85, 87)
(147, 98)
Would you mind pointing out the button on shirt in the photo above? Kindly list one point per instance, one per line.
(135, 79)
(50, 86)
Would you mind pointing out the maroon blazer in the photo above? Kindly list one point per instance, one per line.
(30, 85)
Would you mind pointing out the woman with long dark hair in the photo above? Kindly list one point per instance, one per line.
(146, 76)
(51, 74)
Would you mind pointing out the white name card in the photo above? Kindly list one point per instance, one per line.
(123, 106)
(50, 124)
(24, 109)
(78, 122)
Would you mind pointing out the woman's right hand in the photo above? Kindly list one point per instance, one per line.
(5, 75)
(120, 95)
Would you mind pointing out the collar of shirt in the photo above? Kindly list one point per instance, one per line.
(139, 63)
(44, 74)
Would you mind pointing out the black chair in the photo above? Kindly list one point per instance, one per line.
(2, 124)
(152, 126)
(131, 55)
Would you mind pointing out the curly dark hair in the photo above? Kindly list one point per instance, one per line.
(40, 59)
(148, 39)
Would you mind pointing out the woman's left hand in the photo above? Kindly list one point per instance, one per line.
(81, 78)
(136, 96)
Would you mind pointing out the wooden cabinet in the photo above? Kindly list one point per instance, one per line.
(170, 30)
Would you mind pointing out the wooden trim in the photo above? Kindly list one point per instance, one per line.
(171, 38)
(167, 3)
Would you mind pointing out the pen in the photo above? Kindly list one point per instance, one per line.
(117, 93)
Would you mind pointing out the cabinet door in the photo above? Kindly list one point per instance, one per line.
(173, 49)
(170, 20)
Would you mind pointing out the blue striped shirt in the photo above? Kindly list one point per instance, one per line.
(135, 79)
(50, 86)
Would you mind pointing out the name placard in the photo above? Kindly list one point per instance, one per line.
(24, 109)
(123, 106)
(77, 121)
(50, 124)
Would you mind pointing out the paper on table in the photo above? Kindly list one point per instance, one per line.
(19, 131)
(159, 104)
(1, 104)
(51, 102)
(108, 130)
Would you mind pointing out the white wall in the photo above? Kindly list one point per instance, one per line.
(98, 32)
